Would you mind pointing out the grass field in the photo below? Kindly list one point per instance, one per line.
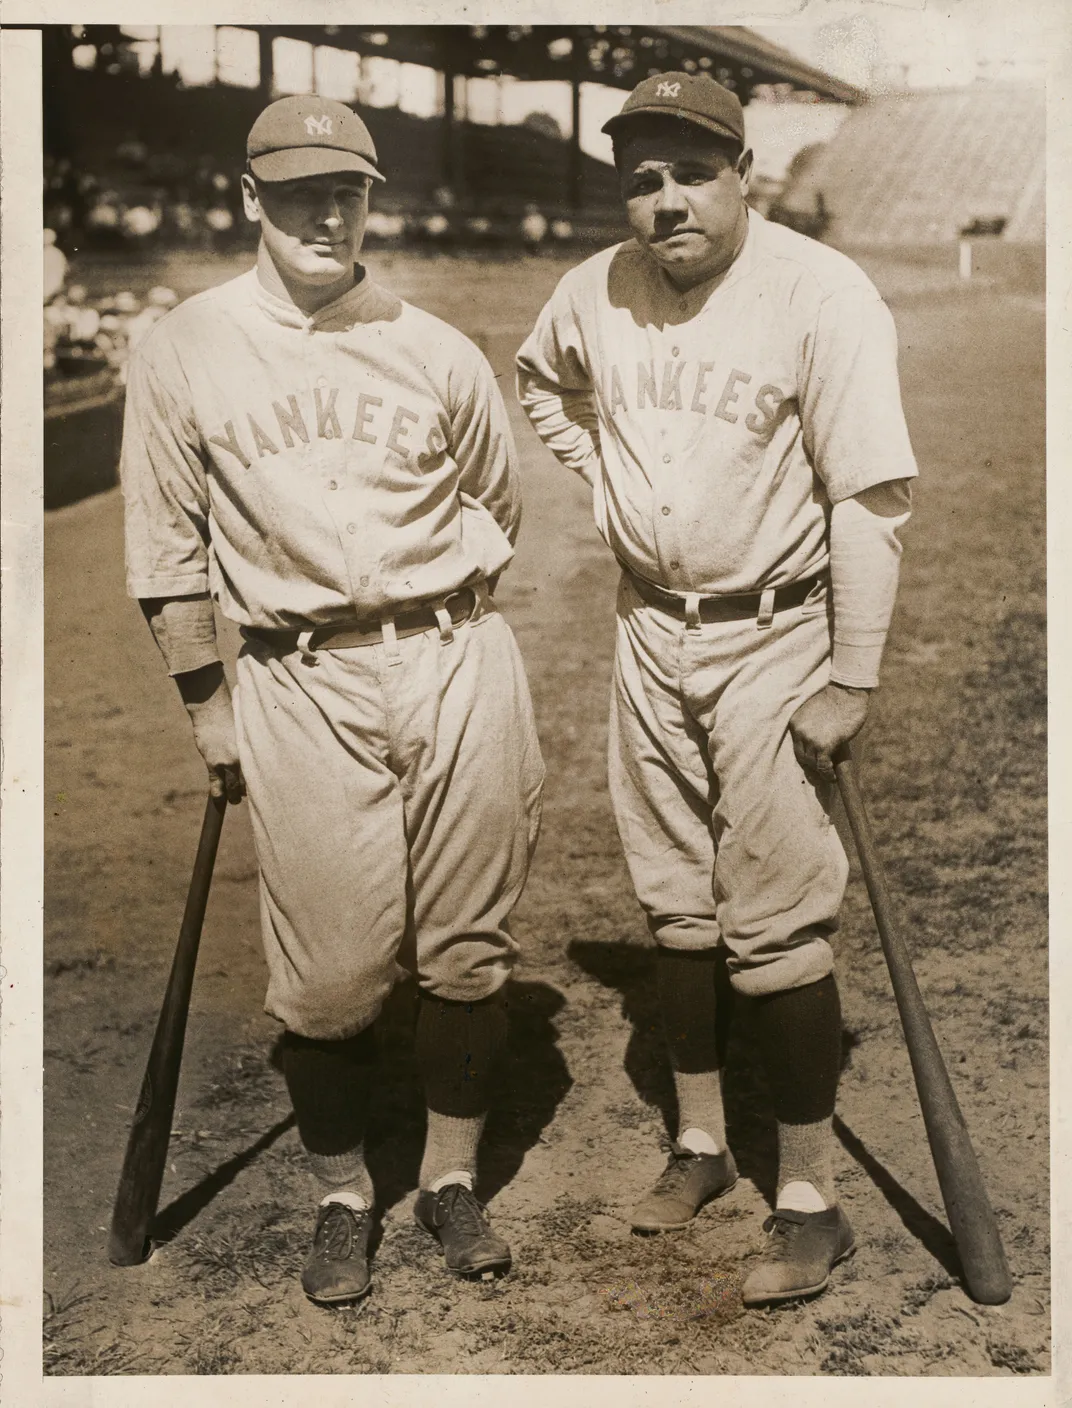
(954, 763)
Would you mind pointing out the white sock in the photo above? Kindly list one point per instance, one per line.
(348, 1199)
(698, 1141)
(801, 1197)
(458, 1175)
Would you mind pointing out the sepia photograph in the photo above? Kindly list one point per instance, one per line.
(544, 700)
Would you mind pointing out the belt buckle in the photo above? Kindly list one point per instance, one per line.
(459, 596)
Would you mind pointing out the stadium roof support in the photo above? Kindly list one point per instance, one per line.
(618, 56)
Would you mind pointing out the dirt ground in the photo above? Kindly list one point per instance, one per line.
(954, 764)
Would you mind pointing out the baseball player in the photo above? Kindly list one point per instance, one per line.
(334, 469)
(729, 390)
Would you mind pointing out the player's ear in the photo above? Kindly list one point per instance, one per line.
(250, 202)
(744, 169)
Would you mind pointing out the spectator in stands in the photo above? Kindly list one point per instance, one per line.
(219, 223)
(181, 217)
(81, 322)
(103, 219)
(139, 222)
(533, 227)
(113, 338)
(132, 151)
(55, 275)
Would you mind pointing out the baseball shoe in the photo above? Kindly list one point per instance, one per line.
(337, 1268)
(687, 1182)
(461, 1224)
(801, 1249)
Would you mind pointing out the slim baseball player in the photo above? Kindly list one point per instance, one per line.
(334, 468)
(729, 390)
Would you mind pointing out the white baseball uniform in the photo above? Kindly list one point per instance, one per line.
(718, 429)
(315, 472)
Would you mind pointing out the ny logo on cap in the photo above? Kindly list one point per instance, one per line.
(668, 90)
(318, 126)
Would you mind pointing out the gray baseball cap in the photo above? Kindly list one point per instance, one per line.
(309, 136)
(694, 97)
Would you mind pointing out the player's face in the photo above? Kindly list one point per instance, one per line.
(313, 227)
(684, 199)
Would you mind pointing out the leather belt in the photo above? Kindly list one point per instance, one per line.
(343, 635)
(725, 608)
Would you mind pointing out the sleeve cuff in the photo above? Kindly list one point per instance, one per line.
(143, 588)
(856, 666)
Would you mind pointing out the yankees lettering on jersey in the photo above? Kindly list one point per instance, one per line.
(718, 426)
(307, 470)
(679, 386)
(289, 424)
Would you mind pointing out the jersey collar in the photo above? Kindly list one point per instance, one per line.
(356, 305)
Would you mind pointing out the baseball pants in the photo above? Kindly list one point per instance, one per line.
(395, 799)
(725, 837)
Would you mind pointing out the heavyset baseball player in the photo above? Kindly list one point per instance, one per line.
(334, 468)
(729, 390)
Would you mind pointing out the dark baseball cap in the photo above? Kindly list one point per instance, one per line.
(694, 97)
(309, 136)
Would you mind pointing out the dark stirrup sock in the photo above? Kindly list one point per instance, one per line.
(330, 1083)
(458, 1045)
(799, 1033)
(800, 1041)
(458, 1048)
(696, 1002)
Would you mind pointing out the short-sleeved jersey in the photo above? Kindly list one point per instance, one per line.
(304, 470)
(718, 426)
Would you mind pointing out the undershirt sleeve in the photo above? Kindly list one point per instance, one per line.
(850, 395)
(185, 630)
(865, 559)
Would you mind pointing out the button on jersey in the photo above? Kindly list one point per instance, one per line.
(307, 469)
(718, 427)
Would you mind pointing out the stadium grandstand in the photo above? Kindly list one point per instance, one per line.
(924, 168)
(124, 130)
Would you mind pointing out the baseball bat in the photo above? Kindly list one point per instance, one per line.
(150, 1133)
(971, 1217)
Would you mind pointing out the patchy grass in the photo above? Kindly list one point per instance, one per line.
(265, 1249)
(1004, 1354)
(72, 1345)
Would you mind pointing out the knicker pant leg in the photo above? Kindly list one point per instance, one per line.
(780, 868)
(661, 783)
(327, 824)
(472, 789)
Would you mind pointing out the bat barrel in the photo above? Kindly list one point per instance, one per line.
(971, 1216)
(150, 1133)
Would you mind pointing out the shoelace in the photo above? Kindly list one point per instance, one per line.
(678, 1167)
(782, 1227)
(335, 1235)
(458, 1202)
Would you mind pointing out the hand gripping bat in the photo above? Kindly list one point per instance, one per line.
(971, 1218)
(143, 1165)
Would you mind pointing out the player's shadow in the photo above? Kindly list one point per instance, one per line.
(630, 970)
(751, 1132)
(533, 1080)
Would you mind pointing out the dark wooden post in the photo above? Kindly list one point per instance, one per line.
(453, 129)
(448, 125)
(267, 72)
(575, 176)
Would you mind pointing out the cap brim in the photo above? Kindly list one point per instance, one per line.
(295, 162)
(622, 119)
